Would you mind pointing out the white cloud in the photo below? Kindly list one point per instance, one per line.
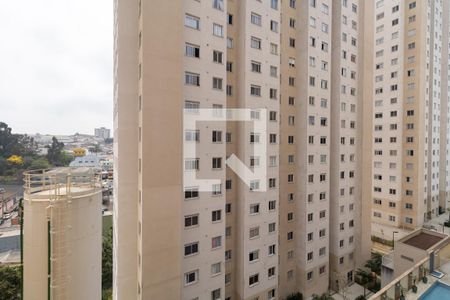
(56, 65)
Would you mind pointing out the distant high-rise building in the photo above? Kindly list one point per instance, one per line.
(305, 63)
(102, 133)
(410, 111)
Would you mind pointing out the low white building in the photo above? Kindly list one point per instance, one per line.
(91, 161)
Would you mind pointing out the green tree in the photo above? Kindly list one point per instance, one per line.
(365, 278)
(374, 264)
(107, 261)
(296, 296)
(10, 283)
(56, 155)
(15, 144)
(323, 297)
(39, 163)
(361, 297)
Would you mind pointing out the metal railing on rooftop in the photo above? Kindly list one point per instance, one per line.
(60, 182)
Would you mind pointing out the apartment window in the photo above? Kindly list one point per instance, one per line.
(192, 22)
(230, 19)
(228, 208)
(255, 19)
(272, 205)
(216, 189)
(271, 250)
(255, 42)
(272, 227)
(217, 83)
(309, 276)
(254, 209)
(272, 182)
(228, 184)
(217, 57)
(291, 62)
(273, 93)
(227, 255)
(256, 66)
(272, 115)
(274, 26)
(229, 43)
(273, 138)
(192, 135)
(191, 249)
(253, 256)
(191, 164)
(216, 242)
(192, 79)
(217, 136)
(191, 221)
(216, 215)
(322, 251)
(254, 232)
(254, 137)
(192, 50)
(274, 4)
(253, 280)
(190, 192)
(290, 236)
(273, 71)
(322, 233)
(190, 277)
(216, 268)
(255, 90)
(215, 295)
(217, 30)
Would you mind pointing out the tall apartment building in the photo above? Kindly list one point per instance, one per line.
(299, 65)
(410, 112)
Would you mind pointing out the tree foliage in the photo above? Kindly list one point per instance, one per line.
(15, 144)
(107, 261)
(323, 297)
(374, 264)
(9, 283)
(56, 154)
(15, 160)
(296, 296)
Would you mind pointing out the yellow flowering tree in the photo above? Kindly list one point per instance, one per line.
(15, 160)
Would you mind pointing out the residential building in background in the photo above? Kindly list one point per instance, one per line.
(102, 132)
(303, 66)
(410, 112)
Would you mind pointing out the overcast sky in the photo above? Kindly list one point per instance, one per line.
(56, 65)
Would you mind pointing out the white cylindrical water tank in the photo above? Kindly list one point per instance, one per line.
(62, 234)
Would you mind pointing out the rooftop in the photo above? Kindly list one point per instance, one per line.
(423, 240)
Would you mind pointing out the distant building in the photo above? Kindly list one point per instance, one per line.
(91, 161)
(79, 152)
(102, 132)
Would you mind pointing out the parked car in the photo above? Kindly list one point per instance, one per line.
(2, 190)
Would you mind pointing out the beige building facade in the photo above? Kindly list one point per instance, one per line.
(410, 112)
(298, 65)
